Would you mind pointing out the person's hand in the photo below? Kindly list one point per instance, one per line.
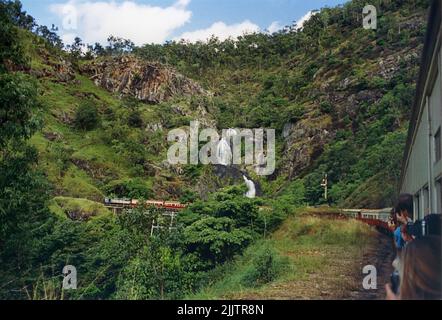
(407, 237)
(391, 224)
(390, 294)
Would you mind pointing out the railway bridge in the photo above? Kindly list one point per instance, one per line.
(374, 217)
(170, 209)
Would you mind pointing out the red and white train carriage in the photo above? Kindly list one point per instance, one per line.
(133, 203)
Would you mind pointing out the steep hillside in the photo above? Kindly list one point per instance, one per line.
(99, 142)
(78, 127)
(148, 82)
(338, 95)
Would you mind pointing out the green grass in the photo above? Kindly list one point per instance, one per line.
(57, 99)
(61, 101)
(96, 153)
(78, 184)
(86, 86)
(64, 207)
(305, 245)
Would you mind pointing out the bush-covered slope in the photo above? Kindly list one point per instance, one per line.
(96, 142)
(298, 261)
(338, 96)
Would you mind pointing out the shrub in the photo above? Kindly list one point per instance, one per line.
(377, 83)
(266, 267)
(294, 112)
(215, 240)
(326, 107)
(131, 188)
(86, 117)
(134, 120)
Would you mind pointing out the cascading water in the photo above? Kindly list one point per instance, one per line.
(224, 156)
(224, 153)
(251, 193)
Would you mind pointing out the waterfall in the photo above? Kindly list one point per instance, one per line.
(224, 153)
(251, 193)
(261, 159)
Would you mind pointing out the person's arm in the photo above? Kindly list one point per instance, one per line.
(398, 240)
(404, 234)
(391, 225)
(390, 294)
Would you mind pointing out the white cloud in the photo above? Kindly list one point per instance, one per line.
(274, 27)
(68, 38)
(220, 30)
(304, 19)
(95, 21)
(182, 3)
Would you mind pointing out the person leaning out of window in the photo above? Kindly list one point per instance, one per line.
(404, 216)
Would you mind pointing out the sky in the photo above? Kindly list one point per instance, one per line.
(157, 21)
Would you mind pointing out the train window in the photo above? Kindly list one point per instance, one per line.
(437, 146)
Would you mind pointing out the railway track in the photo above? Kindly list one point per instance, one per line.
(381, 255)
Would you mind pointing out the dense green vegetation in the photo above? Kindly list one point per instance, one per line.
(269, 80)
(283, 265)
(67, 143)
(23, 189)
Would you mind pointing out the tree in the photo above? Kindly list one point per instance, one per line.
(23, 190)
(86, 117)
(51, 37)
(97, 50)
(156, 273)
(11, 51)
(19, 18)
(119, 45)
(76, 48)
(19, 106)
(215, 240)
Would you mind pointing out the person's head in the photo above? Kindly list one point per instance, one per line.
(420, 270)
(404, 208)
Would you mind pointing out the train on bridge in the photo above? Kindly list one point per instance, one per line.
(133, 203)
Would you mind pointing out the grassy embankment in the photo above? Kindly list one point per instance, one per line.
(313, 255)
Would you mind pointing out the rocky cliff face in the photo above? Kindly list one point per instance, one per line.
(149, 82)
(305, 140)
(54, 68)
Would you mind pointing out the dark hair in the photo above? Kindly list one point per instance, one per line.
(393, 215)
(405, 203)
(421, 270)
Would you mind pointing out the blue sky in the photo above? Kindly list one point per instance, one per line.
(160, 20)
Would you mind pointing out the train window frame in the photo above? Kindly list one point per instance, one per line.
(417, 209)
(437, 146)
(425, 202)
(439, 195)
